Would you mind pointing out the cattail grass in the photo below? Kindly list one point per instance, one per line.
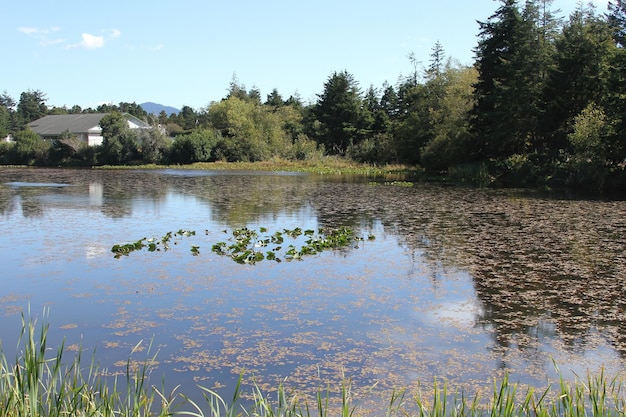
(38, 384)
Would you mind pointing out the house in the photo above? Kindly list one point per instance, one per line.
(85, 126)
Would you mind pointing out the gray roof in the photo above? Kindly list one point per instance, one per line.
(56, 124)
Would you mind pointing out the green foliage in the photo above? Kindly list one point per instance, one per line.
(5, 122)
(582, 72)
(120, 145)
(30, 149)
(249, 246)
(339, 113)
(153, 145)
(32, 106)
(304, 149)
(197, 146)
(250, 131)
(6, 152)
(152, 244)
(543, 102)
(590, 131)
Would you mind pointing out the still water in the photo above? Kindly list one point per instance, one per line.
(460, 284)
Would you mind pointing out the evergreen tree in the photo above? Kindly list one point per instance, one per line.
(338, 111)
(495, 101)
(582, 72)
(32, 106)
(617, 20)
(616, 101)
(274, 99)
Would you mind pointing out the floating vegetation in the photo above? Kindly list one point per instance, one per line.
(153, 244)
(407, 184)
(38, 383)
(248, 246)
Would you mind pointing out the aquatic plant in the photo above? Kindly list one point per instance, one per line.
(407, 184)
(247, 246)
(153, 244)
(39, 384)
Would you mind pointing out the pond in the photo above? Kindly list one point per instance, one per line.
(459, 284)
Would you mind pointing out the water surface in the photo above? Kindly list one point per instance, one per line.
(460, 284)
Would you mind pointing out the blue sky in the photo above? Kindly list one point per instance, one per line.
(186, 52)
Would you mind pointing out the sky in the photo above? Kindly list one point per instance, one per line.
(188, 52)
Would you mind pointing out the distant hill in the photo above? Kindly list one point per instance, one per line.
(156, 109)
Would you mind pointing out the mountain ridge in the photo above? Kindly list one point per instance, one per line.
(156, 108)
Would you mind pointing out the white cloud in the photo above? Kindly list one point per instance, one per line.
(42, 35)
(88, 41)
(28, 31)
(91, 41)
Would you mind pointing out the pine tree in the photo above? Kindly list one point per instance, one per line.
(338, 111)
(582, 72)
(497, 90)
(617, 21)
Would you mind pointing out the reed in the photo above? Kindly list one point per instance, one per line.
(40, 383)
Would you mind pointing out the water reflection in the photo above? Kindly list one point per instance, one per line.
(460, 283)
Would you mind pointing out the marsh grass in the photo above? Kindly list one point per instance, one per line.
(326, 166)
(43, 382)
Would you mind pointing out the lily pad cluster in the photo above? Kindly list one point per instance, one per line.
(153, 244)
(247, 246)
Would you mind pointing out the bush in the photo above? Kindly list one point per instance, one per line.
(30, 149)
(197, 146)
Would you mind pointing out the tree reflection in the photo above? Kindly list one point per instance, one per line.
(542, 268)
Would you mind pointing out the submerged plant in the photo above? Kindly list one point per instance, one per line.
(44, 382)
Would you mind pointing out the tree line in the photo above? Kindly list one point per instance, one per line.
(544, 103)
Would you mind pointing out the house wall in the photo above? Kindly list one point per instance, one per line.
(94, 139)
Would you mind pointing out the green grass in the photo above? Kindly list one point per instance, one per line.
(39, 383)
(326, 166)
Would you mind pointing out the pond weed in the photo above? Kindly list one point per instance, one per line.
(38, 384)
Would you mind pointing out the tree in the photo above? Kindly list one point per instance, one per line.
(615, 106)
(7, 101)
(581, 74)
(5, 122)
(32, 106)
(450, 138)
(493, 55)
(274, 99)
(132, 109)
(30, 149)
(338, 111)
(412, 127)
(187, 118)
(512, 57)
(152, 145)
(196, 146)
(389, 101)
(249, 130)
(617, 21)
(119, 144)
(437, 61)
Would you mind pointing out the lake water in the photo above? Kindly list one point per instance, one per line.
(460, 284)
